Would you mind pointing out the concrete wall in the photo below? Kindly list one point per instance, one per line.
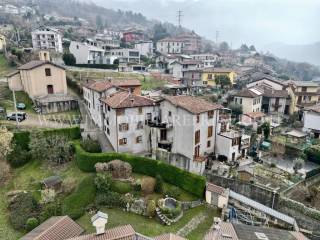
(311, 120)
(248, 105)
(15, 82)
(266, 82)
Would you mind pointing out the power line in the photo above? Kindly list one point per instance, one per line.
(179, 17)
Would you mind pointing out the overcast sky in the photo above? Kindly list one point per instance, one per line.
(258, 22)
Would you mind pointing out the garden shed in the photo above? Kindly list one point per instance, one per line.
(53, 182)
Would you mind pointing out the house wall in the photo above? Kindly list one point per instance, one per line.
(311, 120)
(224, 147)
(171, 47)
(145, 48)
(248, 105)
(15, 82)
(85, 54)
(266, 82)
(177, 71)
(35, 81)
(282, 103)
(212, 82)
(45, 42)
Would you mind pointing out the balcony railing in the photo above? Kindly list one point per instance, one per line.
(158, 124)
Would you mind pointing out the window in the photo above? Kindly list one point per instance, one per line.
(107, 121)
(235, 141)
(208, 144)
(140, 110)
(123, 127)
(140, 125)
(197, 151)
(122, 141)
(139, 139)
(197, 137)
(163, 135)
(241, 101)
(50, 89)
(108, 131)
(210, 131)
(169, 113)
(48, 72)
(210, 114)
(210, 76)
(108, 108)
(198, 118)
(120, 112)
(304, 89)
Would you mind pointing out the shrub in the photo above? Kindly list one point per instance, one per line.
(151, 208)
(75, 204)
(69, 59)
(91, 146)
(173, 192)
(110, 199)
(23, 207)
(103, 182)
(189, 182)
(147, 185)
(18, 157)
(273, 165)
(31, 223)
(159, 184)
(313, 153)
(121, 187)
(50, 210)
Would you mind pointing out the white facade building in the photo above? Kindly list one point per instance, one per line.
(145, 48)
(170, 46)
(47, 38)
(87, 54)
(125, 55)
(207, 59)
(250, 99)
(311, 120)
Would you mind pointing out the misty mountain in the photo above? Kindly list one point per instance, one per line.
(298, 53)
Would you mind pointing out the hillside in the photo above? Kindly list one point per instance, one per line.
(299, 53)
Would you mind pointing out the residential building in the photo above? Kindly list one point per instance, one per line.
(267, 81)
(253, 119)
(145, 48)
(125, 115)
(185, 132)
(11, 9)
(191, 43)
(208, 60)
(86, 53)
(176, 67)
(238, 231)
(133, 35)
(106, 41)
(47, 38)
(275, 102)
(2, 43)
(311, 120)
(217, 196)
(303, 94)
(192, 79)
(231, 145)
(170, 46)
(209, 75)
(94, 91)
(249, 99)
(125, 55)
(45, 83)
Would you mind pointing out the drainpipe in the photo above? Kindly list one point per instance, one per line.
(273, 198)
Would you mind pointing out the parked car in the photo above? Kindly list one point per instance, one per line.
(21, 106)
(20, 116)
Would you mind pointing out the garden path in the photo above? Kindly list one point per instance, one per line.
(192, 224)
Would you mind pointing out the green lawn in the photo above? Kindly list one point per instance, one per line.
(5, 67)
(27, 178)
(151, 227)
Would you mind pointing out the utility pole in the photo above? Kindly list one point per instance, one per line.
(179, 17)
(217, 36)
(15, 107)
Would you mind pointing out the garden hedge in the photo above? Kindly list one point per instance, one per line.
(313, 153)
(101, 66)
(75, 204)
(23, 138)
(187, 181)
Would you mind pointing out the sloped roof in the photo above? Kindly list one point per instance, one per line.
(218, 70)
(303, 83)
(125, 232)
(37, 63)
(101, 86)
(55, 228)
(275, 93)
(169, 236)
(124, 99)
(248, 93)
(255, 114)
(214, 188)
(52, 181)
(315, 108)
(192, 104)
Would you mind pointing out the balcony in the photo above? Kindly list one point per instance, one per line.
(165, 144)
(200, 158)
(158, 124)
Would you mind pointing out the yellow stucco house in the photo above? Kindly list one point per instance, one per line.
(209, 75)
(2, 42)
(45, 83)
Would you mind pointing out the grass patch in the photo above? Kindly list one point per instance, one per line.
(121, 187)
(141, 224)
(5, 66)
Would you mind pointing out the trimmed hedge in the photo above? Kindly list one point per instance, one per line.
(313, 153)
(23, 138)
(187, 181)
(75, 204)
(101, 66)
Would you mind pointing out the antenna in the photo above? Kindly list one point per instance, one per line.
(179, 17)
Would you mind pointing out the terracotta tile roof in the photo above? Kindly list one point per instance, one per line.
(217, 70)
(55, 228)
(247, 93)
(37, 63)
(124, 99)
(255, 114)
(214, 188)
(192, 104)
(125, 232)
(226, 232)
(169, 236)
(267, 92)
(315, 108)
(101, 86)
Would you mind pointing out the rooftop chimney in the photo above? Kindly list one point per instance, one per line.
(99, 221)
